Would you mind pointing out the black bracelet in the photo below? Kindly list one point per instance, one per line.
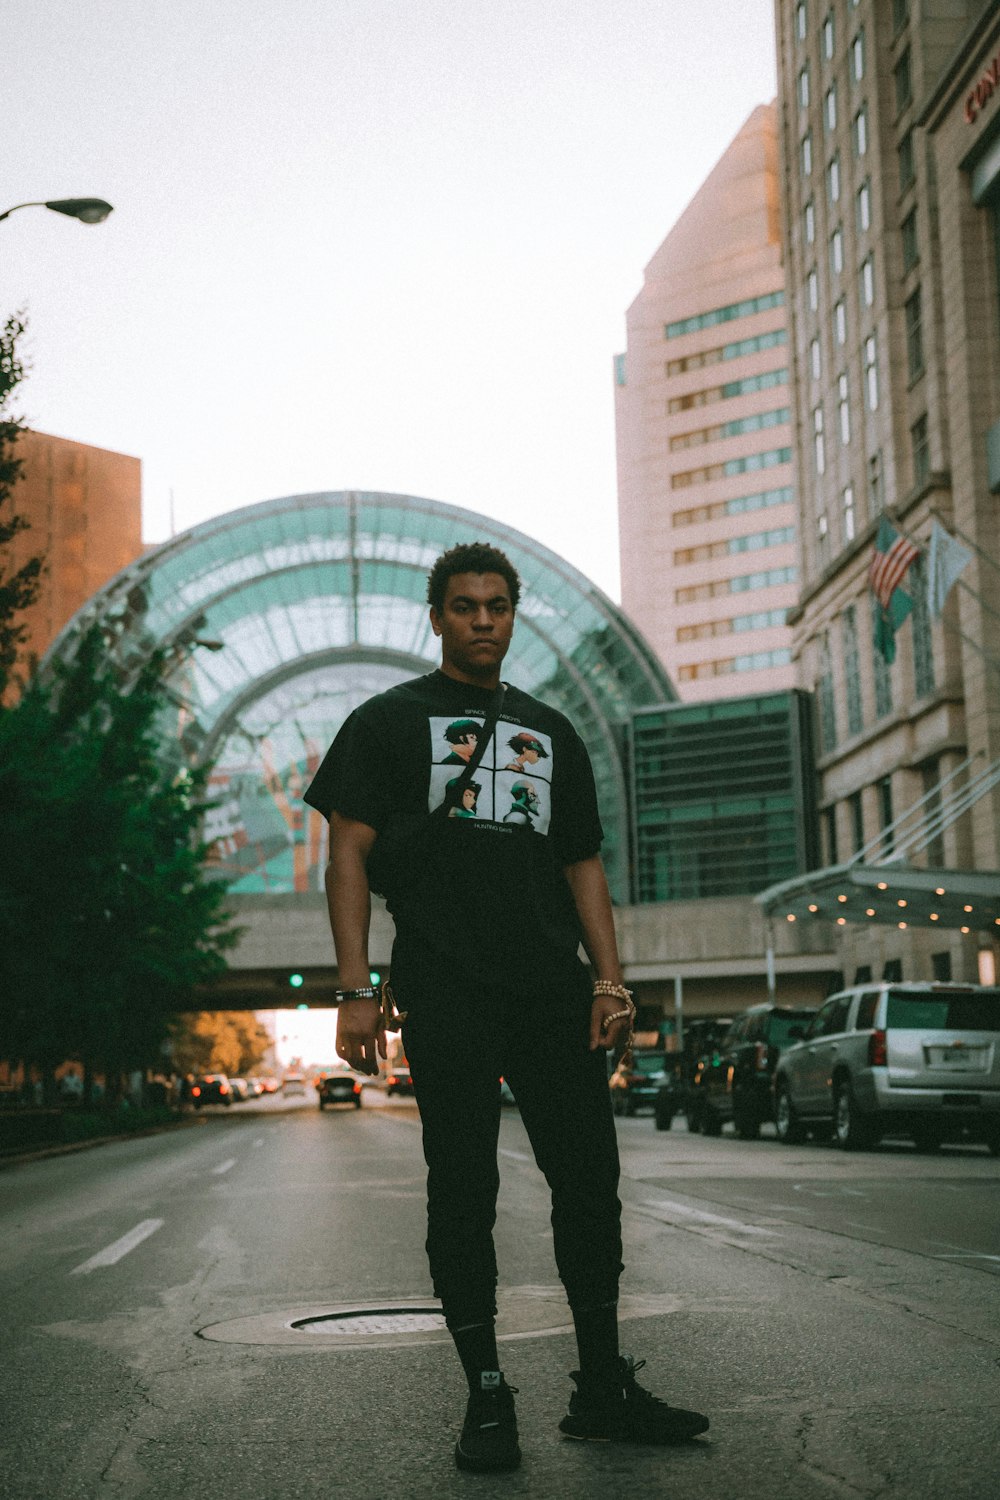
(367, 992)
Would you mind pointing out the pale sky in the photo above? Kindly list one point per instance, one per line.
(358, 243)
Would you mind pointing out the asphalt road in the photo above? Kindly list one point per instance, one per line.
(838, 1316)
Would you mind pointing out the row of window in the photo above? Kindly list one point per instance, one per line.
(757, 422)
(727, 314)
(750, 464)
(855, 63)
(728, 392)
(768, 578)
(737, 350)
(863, 216)
(764, 619)
(756, 541)
(737, 506)
(756, 661)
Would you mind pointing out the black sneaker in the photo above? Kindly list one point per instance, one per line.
(488, 1444)
(630, 1416)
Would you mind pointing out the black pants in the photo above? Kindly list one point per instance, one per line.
(459, 1043)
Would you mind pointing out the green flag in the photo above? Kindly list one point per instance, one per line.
(885, 622)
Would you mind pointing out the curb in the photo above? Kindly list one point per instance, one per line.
(67, 1148)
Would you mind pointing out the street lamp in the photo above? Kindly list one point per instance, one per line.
(87, 210)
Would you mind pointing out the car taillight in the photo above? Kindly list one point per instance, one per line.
(223, 1088)
(196, 1093)
(876, 1050)
(392, 1078)
(760, 1057)
(357, 1088)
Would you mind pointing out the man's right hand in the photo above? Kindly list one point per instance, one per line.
(361, 1035)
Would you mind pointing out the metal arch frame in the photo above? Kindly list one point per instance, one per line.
(136, 572)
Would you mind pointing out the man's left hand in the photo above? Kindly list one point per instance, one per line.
(613, 1035)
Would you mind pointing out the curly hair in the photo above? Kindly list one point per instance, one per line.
(471, 557)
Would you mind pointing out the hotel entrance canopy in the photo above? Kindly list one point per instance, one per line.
(895, 895)
(280, 618)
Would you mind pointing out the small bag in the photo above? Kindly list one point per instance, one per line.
(397, 855)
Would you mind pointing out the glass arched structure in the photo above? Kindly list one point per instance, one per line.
(278, 619)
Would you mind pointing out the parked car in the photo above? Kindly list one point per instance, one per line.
(671, 1095)
(399, 1081)
(736, 1079)
(637, 1084)
(339, 1088)
(919, 1059)
(212, 1088)
(293, 1083)
(256, 1087)
(269, 1085)
(240, 1089)
(700, 1040)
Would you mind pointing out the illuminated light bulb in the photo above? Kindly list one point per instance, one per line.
(870, 912)
(790, 917)
(965, 929)
(934, 916)
(841, 898)
(966, 908)
(900, 903)
(901, 924)
(841, 921)
(813, 906)
(939, 890)
(882, 885)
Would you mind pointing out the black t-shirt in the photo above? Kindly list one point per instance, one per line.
(491, 900)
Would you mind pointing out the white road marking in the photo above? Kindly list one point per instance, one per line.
(700, 1217)
(259, 1141)
(113, 1253)
(515, 1155)
(223, 1166)
(966, 1255)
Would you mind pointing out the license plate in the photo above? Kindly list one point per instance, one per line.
(957, 1059)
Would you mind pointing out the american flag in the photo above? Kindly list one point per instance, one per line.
(893, 555)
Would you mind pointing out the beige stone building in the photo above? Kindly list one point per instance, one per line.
(83, 506)
(706, 508)
(890, 146)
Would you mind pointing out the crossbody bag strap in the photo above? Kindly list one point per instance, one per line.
(490, 724)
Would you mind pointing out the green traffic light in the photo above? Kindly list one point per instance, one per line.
(374, 977)
(296, 981)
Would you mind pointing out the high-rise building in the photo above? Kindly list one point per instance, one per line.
(706, 509)
(83, 508)
(890, 135)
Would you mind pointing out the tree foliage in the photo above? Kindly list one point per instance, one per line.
(108, 922)
(18, 586)
(219, 1041)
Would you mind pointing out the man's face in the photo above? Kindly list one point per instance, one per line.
(474, 626)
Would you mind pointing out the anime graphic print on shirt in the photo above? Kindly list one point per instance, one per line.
(512, 783)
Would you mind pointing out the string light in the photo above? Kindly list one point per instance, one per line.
(841, 898)
(841, 921)
(870, 912)
(900, 903)
(939, 890)
(965, 929)
(882, 885)
(934, 916)
(813, 906)
(966, 908)
(901, 925)
(790, 917)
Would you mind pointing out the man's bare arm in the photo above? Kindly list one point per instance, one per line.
(589, 888)
(360, 1034)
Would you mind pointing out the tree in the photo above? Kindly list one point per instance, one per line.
(18, 588)
(219, 1041)
(108, 921)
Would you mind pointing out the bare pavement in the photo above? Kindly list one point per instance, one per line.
(242, 1307)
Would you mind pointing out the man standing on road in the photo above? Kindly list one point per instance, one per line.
(489, 916)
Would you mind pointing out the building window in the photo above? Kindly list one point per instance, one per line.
(900, 14)
(837, 251)
(864, 207)
(840, 323)
(871, 373)
(825, 698)
(816, 360)
(903, 80)
(830, 827)
(823, 537)
(883, 679)
(807, 155)
(857, 814)
(844, 410)
(829, 36)
(812, 286)
(727, 314)
(819, 448)
(833, 180)
(908, 232)
(907, 162)
(930, 775)
(858, 57)
(737, 350)
(830, 108)
(875, 485)
(852, 670)
(885, 815)
(914, 336)
(804, 87)
(809, 215)
(801, 20)
(867, 280)
(847, 513)
(920, 448)
(861, 131)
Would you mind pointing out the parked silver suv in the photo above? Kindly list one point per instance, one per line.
(917, 1059)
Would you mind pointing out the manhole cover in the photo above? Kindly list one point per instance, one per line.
(380, 1320)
